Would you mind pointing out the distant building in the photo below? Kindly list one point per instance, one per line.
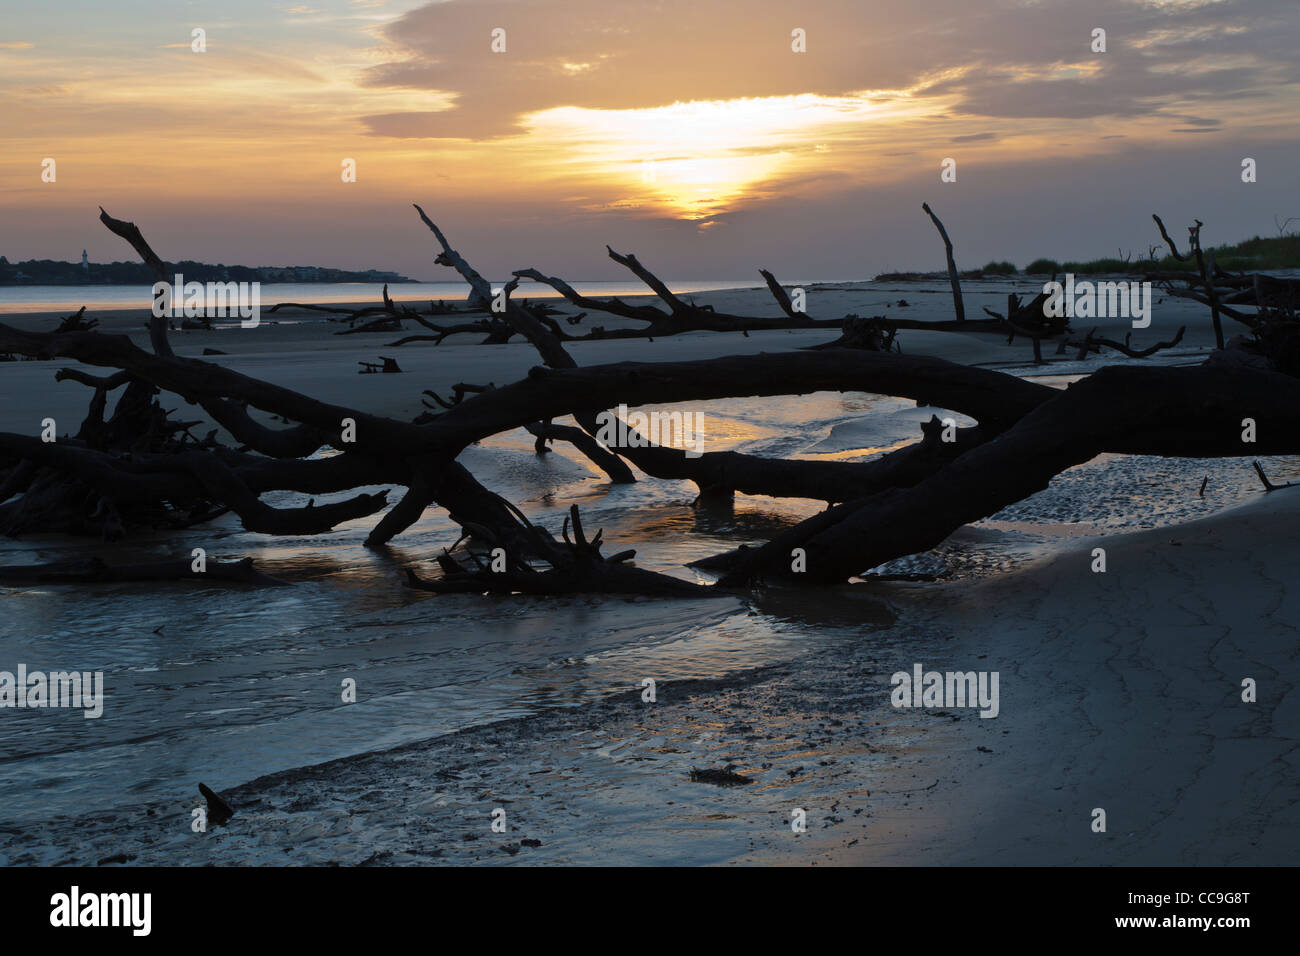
(85, 263)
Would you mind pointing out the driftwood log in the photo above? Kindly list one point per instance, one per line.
(139, 467)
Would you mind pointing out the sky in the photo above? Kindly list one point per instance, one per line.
(693, 133)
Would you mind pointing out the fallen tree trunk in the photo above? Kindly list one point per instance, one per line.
(140, 466)
(1185, 412)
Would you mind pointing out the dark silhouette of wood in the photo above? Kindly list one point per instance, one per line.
(1118, 409)
(77, 322)
(385, 365)
(1205, 272)
(158, 268)
(138, 466)
(959, 308)
(1094, 343)
(219, 812)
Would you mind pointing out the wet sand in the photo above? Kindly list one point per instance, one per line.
(1118, 690)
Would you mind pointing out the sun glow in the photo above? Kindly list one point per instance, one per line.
(695, 159)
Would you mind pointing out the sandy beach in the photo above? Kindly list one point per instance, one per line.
(1120, 690)
(298, 348)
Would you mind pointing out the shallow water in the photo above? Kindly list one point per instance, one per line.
(226, 684)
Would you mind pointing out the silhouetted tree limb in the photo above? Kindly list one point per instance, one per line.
(480, 289)
(782, 297)
(139, 466)
(959, 308)
(1093, 343)
(129, 232)
(1184, 412)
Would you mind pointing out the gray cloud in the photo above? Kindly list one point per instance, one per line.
(593, 54)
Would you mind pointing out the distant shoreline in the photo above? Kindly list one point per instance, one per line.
(13, 276)
(135, 296)
(1250, 255)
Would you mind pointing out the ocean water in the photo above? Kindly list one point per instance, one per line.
(59, 298)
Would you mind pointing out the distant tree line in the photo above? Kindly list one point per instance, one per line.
(51, 272)
(1250, 255)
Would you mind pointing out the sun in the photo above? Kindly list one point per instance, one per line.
(693, 160)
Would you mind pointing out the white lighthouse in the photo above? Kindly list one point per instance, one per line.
(85, 263)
